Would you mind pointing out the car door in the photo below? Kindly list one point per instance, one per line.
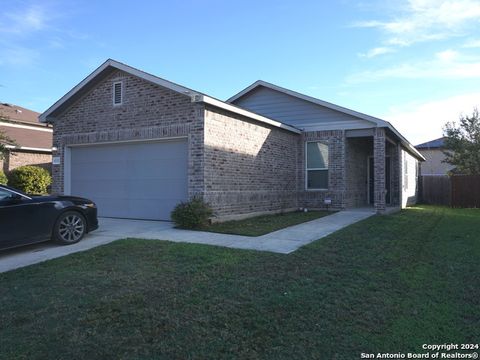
(23, 220)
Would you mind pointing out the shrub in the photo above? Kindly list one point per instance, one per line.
(30, 179)
(3, 178)
(191, 214)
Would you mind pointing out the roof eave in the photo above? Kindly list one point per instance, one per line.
(229, 107)
(406, 143)
(378, 122)
(45, 117)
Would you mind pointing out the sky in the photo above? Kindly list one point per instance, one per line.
(414, 63)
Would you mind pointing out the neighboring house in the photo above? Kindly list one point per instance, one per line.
(33, 139)
(137, 145)
(434, 157)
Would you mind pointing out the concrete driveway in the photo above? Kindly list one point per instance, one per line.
(282, 241)
(109, 230)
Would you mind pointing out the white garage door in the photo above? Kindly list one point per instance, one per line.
(131, 180)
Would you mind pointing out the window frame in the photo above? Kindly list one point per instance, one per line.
(307, 169)
(121, 93)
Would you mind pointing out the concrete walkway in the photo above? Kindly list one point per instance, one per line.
(282, 241)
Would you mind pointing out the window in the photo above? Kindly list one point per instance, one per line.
(317, 165)
(5, 194)
(117, 93)
(405, 172)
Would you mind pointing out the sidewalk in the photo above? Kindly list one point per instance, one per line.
(282, 241)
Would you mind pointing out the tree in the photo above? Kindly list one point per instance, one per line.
(462, 143)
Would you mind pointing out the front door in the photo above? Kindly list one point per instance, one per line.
(371, 180)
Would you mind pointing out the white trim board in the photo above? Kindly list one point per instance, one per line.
(26, 148)
(113, 142)
(28, 127)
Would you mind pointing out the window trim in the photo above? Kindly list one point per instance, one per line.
(307, 169)
(121, 93)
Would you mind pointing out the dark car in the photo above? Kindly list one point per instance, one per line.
(27, 219)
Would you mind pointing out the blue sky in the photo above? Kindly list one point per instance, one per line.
(415, 63)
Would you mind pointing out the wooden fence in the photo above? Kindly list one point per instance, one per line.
(466, 191)
(456, 191)
(435, 190)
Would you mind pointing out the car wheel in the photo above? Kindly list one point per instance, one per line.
(69, 228)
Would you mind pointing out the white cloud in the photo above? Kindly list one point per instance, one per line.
(448, 64)
(22, 22)
(426, 20)
(29, 27)
(423, 122)
(447, 55)
(472, 43)
(376, 52)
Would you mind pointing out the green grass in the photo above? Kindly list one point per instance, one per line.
(264, 224)
(386, 284)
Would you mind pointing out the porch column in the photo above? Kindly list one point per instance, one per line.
(379, 169)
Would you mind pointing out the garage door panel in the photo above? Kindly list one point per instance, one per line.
(132, 180)
(100, 188)
(147, 209)
(102, 170)
(174, 150)
(149, 188)
(92, 154)
(156, 168)
(116, 206)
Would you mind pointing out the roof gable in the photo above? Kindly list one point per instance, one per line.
(375, 122)
(111, 65)
(298, 112)
(98, 75)
(307, 98)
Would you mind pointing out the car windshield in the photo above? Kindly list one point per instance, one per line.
(8, 193)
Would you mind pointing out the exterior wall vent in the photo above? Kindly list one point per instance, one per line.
(117, 93)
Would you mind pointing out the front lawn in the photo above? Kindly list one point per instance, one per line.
(387, 284)
(264, 224)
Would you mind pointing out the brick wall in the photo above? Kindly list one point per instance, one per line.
(336, 172)
(249, 167)
(379, 169)
(20, 158)
(148, 112)
(240, 166)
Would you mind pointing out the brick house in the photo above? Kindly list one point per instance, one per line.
(33, 139)
(137, 145)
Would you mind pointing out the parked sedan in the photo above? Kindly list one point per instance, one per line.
(27, 219)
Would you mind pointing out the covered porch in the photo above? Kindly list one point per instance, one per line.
(372, 169)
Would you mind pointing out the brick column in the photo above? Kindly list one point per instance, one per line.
(379, 169)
